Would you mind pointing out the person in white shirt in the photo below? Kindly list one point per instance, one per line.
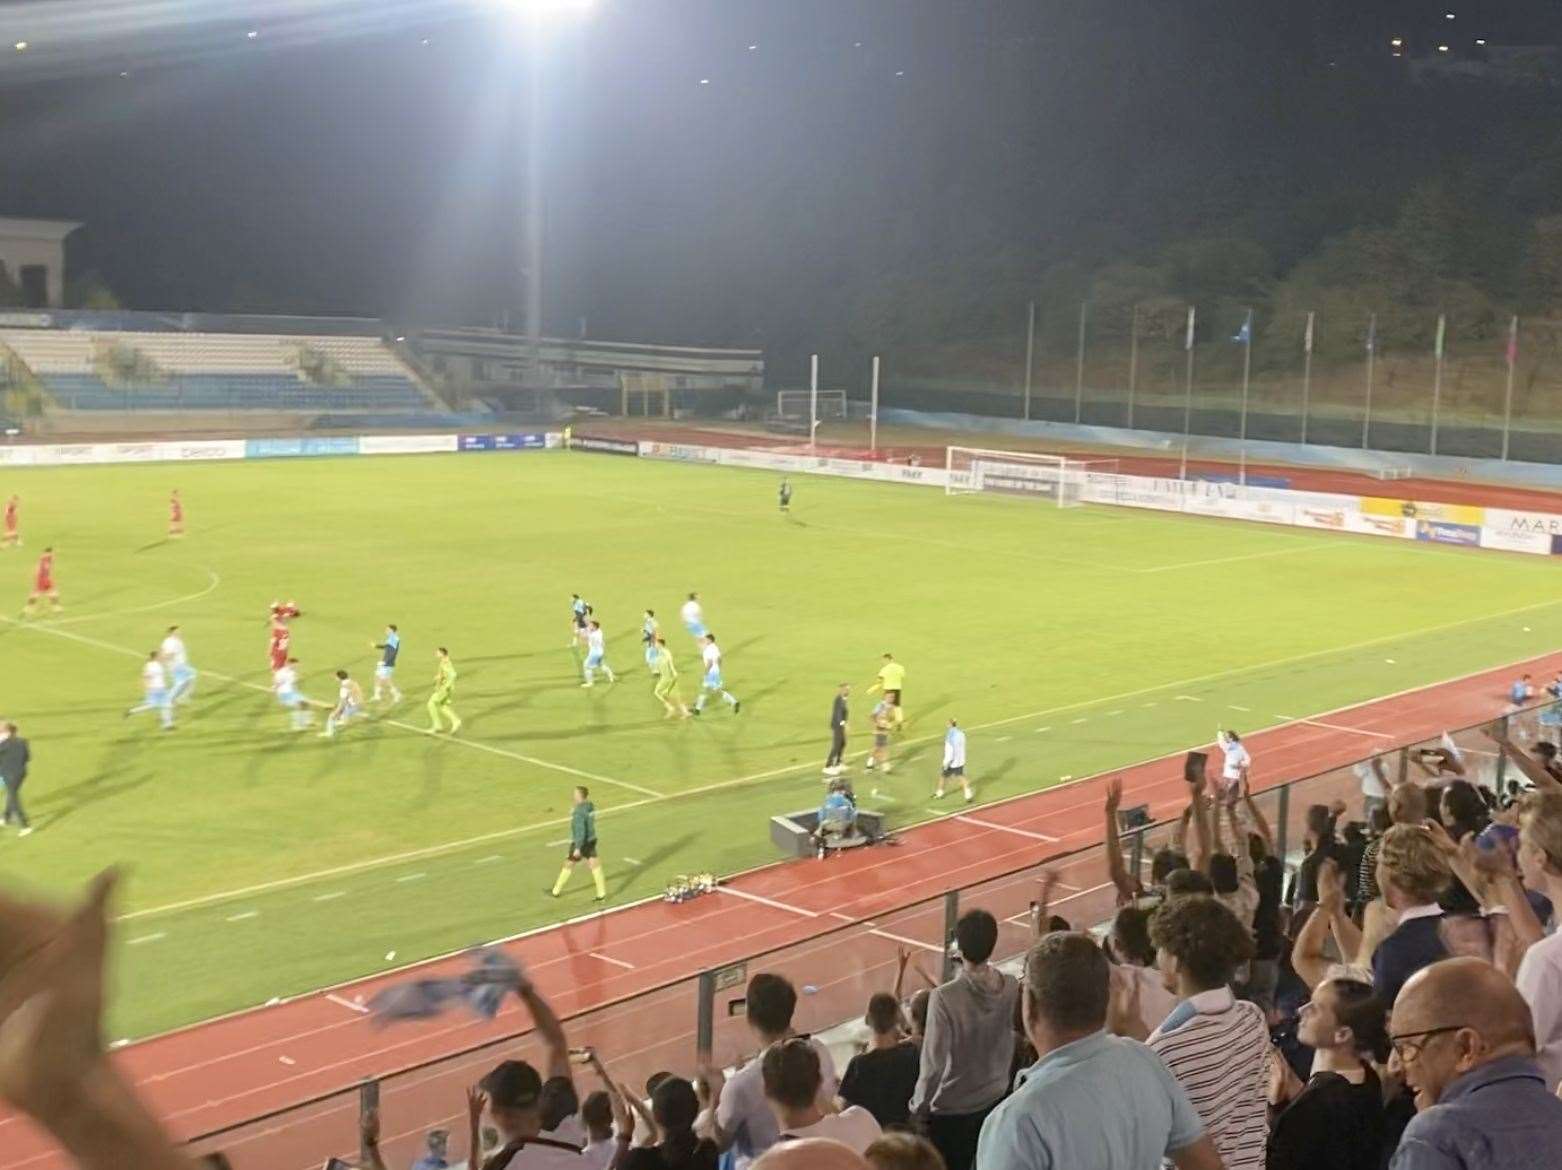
(177, 659)
(349, 704)
(791, 1076)
(693, 617)
(712, 684)
(954, 762)
(1539, 979)
(284, 683)
(1234, 771)
(513, 1094)
(740, 1119)
(596, 654)
(154, 691)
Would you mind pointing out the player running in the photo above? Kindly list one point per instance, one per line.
(284, 683)
(596, 654)
(176, 659)
(385, 669)
(891, 679)
(12, 530)
(784, 494)
(439, 703)
(666, 690)
(579, 614)
(954, 762)
(43, 585)
(883, 717)
(582, 844)
(693, 616)
(349, 705)
(712, 683)
(175, 515)
(650, 631)
(154, 692)
(280, 636)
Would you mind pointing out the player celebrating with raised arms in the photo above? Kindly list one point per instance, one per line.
(154, 691)
(13, 525)
(693, 616)
(385, 669)
(177, 659)
(582, 844)
(439, 703)
(650, 631)
(954, 762)
(666, 689)
(43, 585)
(175, 515)
(712, 683)
(349, 704)
(284, 683)
(579, 612)
(596, 654)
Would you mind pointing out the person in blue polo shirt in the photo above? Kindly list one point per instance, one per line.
(1091, 1099)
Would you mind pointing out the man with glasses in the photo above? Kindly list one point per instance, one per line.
(1462, 1034)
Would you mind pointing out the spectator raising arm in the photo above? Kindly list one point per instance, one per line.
(1256, 819)
(1534, 771)
(1127, 887)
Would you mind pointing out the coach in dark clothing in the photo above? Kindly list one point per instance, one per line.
(833, 765)
(13, 770)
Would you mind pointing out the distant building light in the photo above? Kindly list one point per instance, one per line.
(752, 48)
(425, 41)
(705, 81)
(253, 33)
(1448, 16)
(1480, 40)
(1398, 42)
(1442, 48)
(21, 46)
(900, 73)
(856, 44)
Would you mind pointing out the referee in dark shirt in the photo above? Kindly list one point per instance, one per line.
(832, 763)
(14, 758)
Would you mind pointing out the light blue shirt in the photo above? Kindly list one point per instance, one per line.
(1102, 1102)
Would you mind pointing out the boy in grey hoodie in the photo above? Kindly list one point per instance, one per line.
(969, 1045)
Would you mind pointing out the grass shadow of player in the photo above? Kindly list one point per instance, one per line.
(53, 808)
(654, 858)
(434, 763)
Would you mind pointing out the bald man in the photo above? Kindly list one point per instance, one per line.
(1463, 1035)
(810, 1154)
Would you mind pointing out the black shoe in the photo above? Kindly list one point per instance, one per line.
(600, 898)
(696, 710)
(738, 706)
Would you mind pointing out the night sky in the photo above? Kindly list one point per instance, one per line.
(365, 158)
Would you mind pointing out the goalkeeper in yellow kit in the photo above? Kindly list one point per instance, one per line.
(439, 703)
(667, 682)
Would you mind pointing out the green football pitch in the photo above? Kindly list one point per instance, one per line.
(262, 863)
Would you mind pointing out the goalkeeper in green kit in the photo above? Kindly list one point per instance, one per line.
(439, 703)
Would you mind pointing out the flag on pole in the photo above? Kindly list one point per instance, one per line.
(1442, 328)
(1188, 344)
(1244, 335)
(1307, 340)
(1513, 343)
(1372, 334)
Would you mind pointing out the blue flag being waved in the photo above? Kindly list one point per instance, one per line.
(1244, 335)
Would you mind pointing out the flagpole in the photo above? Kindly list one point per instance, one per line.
(813, 401)
(1437, 378)
(1307, 375)
(1030, 350)
(1372, 353)
(1079, 366)
(1187, 397)
(873, 409)
(1507, 398)
(1247, 369)
(1133, 364)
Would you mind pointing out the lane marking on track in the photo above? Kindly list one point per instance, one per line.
(1343, 727)
(346, 1003)
(1083, 893)
(503, 834)
(764, 901)
(610, 959)
(146, 938)
(1006, 829)
(287, 1060)
(910, 942)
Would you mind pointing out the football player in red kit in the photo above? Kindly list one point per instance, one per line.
(13, 524)
(175, 514)
(43, 584)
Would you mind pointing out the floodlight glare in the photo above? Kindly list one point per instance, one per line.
(544, 10)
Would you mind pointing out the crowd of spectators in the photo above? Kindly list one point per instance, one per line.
(1399, 1008)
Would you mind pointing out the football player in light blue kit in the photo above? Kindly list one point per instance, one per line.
(177, 660)
(596, 654)
(385, 669)
(712, 683)
(579, 611)
(154, 691)
(693, 617)
(650, 630)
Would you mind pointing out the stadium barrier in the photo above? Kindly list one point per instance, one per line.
(1463, 525)
(836, 970)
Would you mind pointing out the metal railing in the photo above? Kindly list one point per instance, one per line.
(835, 970)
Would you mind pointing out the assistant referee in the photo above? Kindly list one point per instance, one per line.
(582, 844)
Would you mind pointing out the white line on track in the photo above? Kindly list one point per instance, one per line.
(1342, 727)
(910, 942)
(346, 1003)
(996, 827)
(610, 959)
(763, 901)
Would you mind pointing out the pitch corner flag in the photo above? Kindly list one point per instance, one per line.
(1188, 344)
(1442, 329)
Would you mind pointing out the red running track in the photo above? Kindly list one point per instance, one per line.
(625, 980)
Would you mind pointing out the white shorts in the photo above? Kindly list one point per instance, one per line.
(383, 671)
(289, 699)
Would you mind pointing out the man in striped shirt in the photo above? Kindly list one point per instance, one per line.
(1214, 1044)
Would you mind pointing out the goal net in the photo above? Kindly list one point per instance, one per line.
(1055, 478)
(794, 404)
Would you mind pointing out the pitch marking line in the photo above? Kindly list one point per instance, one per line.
(330, 897)
(610, 959)
(245, 916)
(993, 825)
(1279, 552)
(346, 1003)
(146, 938)
(502, 834)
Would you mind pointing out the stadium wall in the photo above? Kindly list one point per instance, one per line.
(1463, 525)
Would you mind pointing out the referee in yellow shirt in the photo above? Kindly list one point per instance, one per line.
(891, 679)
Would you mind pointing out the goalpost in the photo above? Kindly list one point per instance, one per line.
(1058, 478)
